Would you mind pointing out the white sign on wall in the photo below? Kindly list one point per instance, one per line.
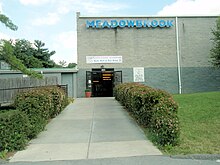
(103, 59)
(138, 73)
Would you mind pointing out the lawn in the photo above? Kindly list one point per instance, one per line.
(199, 116)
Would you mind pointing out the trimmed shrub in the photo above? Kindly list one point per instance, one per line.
(33, 110)
(152, 108)
(36, 104)
(164, 122)
(58, 98)
(40, 105)
(14, 128)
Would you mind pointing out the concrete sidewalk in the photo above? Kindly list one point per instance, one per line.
(90, 128)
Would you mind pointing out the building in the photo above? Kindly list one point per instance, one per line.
(170, 53)
(64, 76)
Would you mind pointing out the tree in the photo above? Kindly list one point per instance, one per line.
(24, 51)
(33, 55)
(7, 22)
(63, 64)
(43, 54)
(215, 51)
(7, 53)
(71, 65)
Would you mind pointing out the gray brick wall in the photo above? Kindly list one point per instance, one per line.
(195, 41)
(139, 47)
(162, 78)
(148, 47)
(81, 82)
(200, 79)
(155, 50)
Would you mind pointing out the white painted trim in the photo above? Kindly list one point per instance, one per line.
(178, 57)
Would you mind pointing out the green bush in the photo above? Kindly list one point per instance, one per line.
(58, 98)
(36, 104)
(40, 105)
(152, 108)
(14, 128)
(33, 110)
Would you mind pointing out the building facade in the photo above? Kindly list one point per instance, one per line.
(169, 53)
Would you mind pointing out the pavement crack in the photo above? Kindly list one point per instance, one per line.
(91, 131)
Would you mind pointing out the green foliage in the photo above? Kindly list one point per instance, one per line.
(58, 98)
(71, 65)
(34, 108)
(14, 127)
(23, 50)
(7, 22)
(36, 105)
(32, 55)
(87, 90)
(215, 51)
(152, 108)
(40, 105)
(43, 54)
(7, 54)
(22, 54)
(3, 154)
(63, 64)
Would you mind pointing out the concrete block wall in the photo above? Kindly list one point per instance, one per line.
(200, 79)
(195, 40)
(162, 78)
(145, 45)
(155, 50)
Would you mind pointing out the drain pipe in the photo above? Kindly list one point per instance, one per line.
(178, 57)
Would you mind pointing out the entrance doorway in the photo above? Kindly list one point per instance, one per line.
(102, 81)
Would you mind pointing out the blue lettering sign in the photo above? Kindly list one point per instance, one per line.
(90, 24)
(162, 23)
(154, 23)
(98, 23)
(105, 24)
(146, 24)
(122, 23)
(114, 23)
(169, 23)
(129, 23)
(138, 23)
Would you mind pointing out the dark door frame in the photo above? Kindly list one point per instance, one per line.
(100, 85)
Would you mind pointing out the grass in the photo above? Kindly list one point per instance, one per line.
(199, 116)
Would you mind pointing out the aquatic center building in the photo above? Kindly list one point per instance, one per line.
(170, 53)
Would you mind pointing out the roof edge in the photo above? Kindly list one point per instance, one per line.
(152, 16)
(40, 70)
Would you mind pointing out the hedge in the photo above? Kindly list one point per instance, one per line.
(40, 105)
(34, 108)
(14, 128)
(152, 108)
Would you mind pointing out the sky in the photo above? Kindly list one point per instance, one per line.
(54, 21)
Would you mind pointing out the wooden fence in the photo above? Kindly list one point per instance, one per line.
(11, 86)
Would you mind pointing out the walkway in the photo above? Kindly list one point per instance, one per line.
(90, 128)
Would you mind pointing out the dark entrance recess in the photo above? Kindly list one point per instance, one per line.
(102, 81)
